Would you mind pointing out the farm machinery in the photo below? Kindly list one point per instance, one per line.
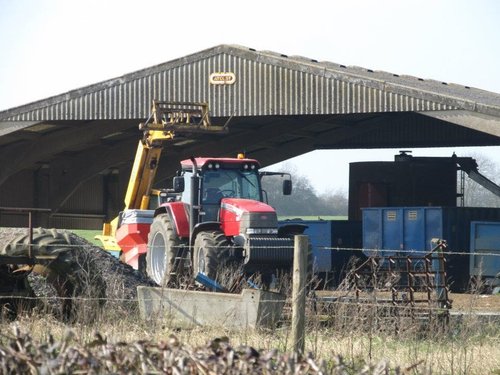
(39, 264)
(214, 214)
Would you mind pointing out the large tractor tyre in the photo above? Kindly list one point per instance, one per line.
(211, 250)
(165, 255)
(64, 284)
(45, 241)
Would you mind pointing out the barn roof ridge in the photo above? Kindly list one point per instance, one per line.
(451, 94)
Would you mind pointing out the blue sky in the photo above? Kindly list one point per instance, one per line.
(53, 46)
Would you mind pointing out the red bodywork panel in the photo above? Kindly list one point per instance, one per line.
(179, 214)
(232, 210)
(133, 240)
(133, 237)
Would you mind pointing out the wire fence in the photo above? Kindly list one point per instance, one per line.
(339, 301)
(347, 298)
(374, 251)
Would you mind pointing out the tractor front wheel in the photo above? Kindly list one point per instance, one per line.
(164, 257)
(211, 249)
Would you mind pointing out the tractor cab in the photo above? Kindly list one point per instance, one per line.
(219, 178)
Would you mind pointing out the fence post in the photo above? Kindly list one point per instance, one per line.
(300, 258)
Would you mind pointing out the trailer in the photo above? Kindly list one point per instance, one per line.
(391, 231)
(485, 252)
(333, 243)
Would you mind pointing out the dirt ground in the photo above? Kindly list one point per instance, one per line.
(475, 302)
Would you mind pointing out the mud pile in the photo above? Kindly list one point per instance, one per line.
(121, 279)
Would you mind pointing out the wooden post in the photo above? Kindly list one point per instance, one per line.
(300, 258)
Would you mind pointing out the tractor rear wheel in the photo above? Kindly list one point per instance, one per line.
(211, 250)
(165, 255)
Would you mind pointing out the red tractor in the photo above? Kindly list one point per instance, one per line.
(214, 214)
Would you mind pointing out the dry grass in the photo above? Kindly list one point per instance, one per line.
(360, 339)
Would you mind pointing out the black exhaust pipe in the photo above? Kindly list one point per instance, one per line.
(195, 198)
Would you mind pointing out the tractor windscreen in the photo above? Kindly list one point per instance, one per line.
(230, 183)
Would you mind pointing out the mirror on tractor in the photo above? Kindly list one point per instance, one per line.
(287, 187)
(178, 184)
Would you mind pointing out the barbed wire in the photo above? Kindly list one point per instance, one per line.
(384, 252)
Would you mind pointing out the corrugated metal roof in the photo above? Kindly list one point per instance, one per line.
(267, 83)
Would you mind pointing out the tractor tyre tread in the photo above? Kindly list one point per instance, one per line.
(70, 273)
(215, 248)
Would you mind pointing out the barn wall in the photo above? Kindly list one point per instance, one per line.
(19, 192)
(88, 207)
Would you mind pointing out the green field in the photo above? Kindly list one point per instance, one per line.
(88, 234)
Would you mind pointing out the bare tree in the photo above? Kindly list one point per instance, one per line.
(304, 201)
(335, 201)
(474, 194)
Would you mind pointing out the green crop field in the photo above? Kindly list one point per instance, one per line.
(88, 234)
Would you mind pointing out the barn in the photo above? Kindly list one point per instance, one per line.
(72, 153)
